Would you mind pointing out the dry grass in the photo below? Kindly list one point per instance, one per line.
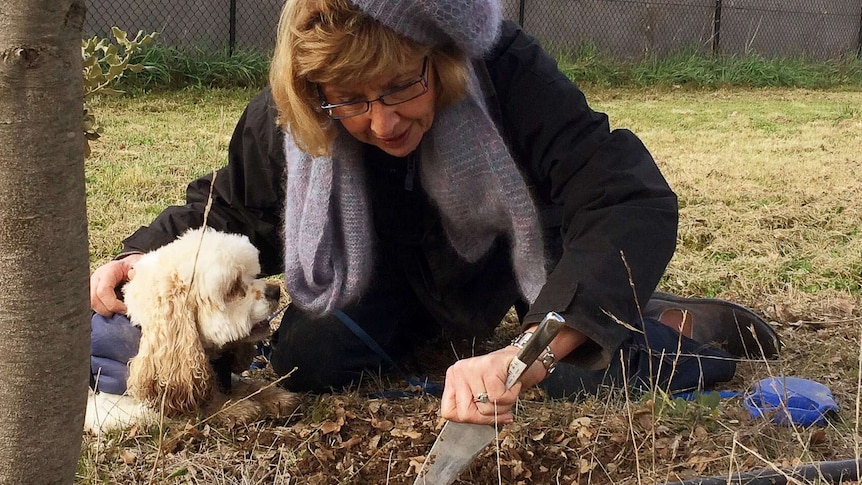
(769, 185)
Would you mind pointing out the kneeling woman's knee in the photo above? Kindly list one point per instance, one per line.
(320, 354)
(113, 342)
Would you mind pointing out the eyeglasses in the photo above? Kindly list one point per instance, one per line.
(401, 94)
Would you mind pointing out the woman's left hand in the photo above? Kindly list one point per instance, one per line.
(468, 379)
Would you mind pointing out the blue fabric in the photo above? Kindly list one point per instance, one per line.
(109, 375)
(655, 357)
(791, 400)
(113, 342)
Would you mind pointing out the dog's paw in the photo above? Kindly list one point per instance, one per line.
(279, 402)
(240, 412)
(250, 402)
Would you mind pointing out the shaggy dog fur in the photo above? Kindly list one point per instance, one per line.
(196, 299)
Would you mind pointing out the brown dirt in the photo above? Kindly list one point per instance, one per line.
(352, 437)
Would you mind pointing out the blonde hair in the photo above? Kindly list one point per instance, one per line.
(331, 41)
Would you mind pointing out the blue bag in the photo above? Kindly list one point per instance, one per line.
(787, 400)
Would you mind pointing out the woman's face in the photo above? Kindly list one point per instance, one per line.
(397, 129)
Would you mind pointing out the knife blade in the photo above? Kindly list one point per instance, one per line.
(458, 444)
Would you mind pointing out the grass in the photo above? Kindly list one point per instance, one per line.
(171, 68)
(694, 68)
(153, 146)
(768, 180)
(758, 165)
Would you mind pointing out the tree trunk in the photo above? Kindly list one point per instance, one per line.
(44, 263)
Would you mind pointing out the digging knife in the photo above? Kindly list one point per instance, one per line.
(459, 443)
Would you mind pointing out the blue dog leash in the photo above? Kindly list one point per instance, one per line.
(265, 349)
(422, 383)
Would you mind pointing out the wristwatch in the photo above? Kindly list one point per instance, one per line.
(547, 357)
(549, 360)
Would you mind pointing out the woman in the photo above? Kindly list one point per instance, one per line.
(439, 169)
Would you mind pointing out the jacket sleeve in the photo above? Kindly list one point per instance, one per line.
(248, 195)
(619, 216)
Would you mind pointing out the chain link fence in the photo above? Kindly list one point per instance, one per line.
(184, 24)
(624, 29)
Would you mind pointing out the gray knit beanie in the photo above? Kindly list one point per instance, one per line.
(472, 25)
(464, 164)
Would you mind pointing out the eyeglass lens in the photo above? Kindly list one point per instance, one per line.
(398, 95)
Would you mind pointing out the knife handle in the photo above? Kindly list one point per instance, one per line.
(544, 334)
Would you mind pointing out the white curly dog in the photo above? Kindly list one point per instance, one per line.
(195, 300)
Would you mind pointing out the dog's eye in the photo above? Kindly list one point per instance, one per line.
(237, 290)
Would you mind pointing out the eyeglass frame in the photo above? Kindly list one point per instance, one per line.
(328, 107)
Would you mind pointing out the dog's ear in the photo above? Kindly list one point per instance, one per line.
(171, 370)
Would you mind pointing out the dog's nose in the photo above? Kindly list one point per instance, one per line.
(272, 291)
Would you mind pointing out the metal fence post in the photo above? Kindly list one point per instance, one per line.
(232, 27)
(521, 13)
(859, 47)
(716, 29)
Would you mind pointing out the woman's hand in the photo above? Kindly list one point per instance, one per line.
(104, 282)
(469, 378)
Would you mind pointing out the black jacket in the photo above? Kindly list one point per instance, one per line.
(610, 217)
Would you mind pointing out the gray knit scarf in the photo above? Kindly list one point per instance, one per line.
(465, 168)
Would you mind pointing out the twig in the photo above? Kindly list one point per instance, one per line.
(161, 438)
(203, 229)
(599, 433)
(858, 401)
(732, 454)
(767, 462)
(497, 446)
(637, 304)
(454, 350)
(630, 415)
(376, 452)
(620, 322)
(750, 42)
(255, 393)
(389, 466)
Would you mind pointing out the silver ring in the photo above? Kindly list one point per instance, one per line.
(482, 397)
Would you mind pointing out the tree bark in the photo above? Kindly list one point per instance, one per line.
(44, 263)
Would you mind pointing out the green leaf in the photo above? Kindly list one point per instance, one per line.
(110, 91)
(92, 82)
(88, 46)
(100, 71)
(89, 61)
(116, 71)
(112, 59)
(709, 399)
(119, 34)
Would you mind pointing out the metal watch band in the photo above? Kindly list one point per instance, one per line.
(549, 360)
(547, 357)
